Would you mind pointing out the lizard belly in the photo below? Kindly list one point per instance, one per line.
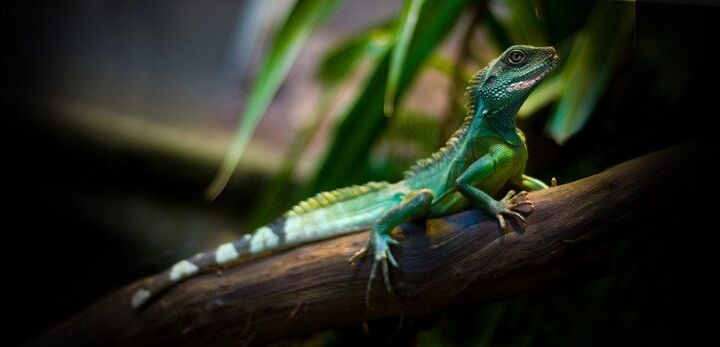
(450, 202)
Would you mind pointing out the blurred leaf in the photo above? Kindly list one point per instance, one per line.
(415, 127)
(589, 67)
(448, 68)
(499, 34)
(277, 197)
(364, 120)
(301, 21)
(563, 18)
(342, 60)
(547, 92)
(519, 22)
(340, 66)
(409, 136)
(403, 35)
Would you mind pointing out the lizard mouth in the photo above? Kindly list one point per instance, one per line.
(537, 75)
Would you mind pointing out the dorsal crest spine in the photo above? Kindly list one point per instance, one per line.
(325, 199)
(454, 141)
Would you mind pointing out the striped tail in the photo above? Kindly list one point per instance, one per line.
(323, 216)
(264, 239)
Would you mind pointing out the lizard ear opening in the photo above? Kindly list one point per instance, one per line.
(490, 80)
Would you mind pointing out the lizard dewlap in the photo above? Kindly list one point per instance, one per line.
(487, 152)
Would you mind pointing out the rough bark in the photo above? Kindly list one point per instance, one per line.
(457, 260)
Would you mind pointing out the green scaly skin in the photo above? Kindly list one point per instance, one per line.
(486, 153)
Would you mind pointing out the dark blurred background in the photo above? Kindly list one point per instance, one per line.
(118, 114)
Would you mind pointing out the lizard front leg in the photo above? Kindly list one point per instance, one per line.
(415, 204)
(482, 170)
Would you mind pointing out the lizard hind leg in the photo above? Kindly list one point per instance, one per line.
(415, 204)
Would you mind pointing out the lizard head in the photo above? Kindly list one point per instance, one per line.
(508, 80)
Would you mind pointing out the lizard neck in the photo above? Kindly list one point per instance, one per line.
(498, 122)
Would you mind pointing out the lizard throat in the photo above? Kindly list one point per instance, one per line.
(522, 85)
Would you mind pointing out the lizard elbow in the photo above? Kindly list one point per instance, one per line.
(462, 183)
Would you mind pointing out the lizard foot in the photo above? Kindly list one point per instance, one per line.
(380, 243)
(511, 205)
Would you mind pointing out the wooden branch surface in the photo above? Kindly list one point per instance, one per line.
(457, 260)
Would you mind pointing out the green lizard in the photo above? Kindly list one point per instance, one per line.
(487, 152)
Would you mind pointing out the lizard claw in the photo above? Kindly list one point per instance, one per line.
(380, 244)
(383, 255)
(358, 255)
(511, 205)
(553, 182)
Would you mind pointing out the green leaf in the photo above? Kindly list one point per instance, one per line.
(301, 21)
(500, 36)
(519, 21)
(414, 127)
(343, 59)
(448, 68)
(563, 18)
(277, 197)
(589, 67)
(405, 30)
(340, 65)
(364, 120)
(409, 136)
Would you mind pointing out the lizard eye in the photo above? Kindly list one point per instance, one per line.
(516, 57)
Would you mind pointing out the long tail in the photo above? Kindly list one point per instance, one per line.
(323, 216)
(266, 238)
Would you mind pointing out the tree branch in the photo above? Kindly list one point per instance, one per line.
(460, 259)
